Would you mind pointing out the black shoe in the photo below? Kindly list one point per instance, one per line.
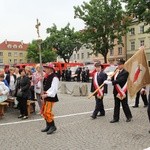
(51, 130)
(46, 128)
(20, 116)
(113, 121)
(129, 119)
(135, 106)
(100, 115)
(93, 117)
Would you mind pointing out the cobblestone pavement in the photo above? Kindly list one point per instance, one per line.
(75, 129)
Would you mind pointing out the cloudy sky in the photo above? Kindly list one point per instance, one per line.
(18, 17)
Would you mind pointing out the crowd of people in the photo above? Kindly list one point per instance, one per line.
(80, 74)
(24, 84)
(42, 85)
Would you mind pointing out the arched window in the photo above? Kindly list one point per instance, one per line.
(9, 46)
(14, 46)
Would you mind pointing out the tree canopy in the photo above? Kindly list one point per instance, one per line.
(105, 21)
(139, 9)
(63, 41)
(33, 53)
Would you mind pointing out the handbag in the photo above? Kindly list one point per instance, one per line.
(19, 94)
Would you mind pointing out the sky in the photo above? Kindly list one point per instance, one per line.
(18, 18)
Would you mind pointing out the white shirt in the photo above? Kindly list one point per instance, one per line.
(12, 84)
(4, 90)
(52, 91)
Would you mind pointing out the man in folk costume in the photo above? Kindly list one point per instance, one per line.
(98, 79)
(49, 96)
(119, 81)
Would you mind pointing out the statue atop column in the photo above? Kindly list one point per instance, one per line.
(37, 27)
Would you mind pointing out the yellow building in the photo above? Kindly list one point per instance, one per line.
(13, 52)
(136, 38)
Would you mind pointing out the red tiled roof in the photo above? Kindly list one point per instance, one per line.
(13, 45)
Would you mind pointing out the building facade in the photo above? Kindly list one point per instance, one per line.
(13, 52)
(137, 38)
(85, 55)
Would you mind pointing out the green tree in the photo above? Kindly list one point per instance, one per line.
(63, 41)
(33, 53)
(139, 9)
(105, 22)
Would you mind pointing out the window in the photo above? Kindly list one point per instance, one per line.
(20, 46)
(14, 46)
(82, 55)
(21, 60)
(74, 56)
(9, 46)
(1, 60)
(15, 61)
(141, 42)
(111, 52)
(132, 45)
(78, 56)
(132, 31)
(9, 54)
(21, 54)
(15, 54)
(141, 29)
(119, 50)
(1, 53)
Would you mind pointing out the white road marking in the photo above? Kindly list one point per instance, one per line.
(64, 116)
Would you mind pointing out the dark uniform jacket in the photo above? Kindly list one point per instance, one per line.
(47, 84)
(100, 79)
(121, 80)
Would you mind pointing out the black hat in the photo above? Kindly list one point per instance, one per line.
(121, 62)
(97, 64)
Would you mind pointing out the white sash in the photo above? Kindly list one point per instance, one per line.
(121, 91)
(100, 92)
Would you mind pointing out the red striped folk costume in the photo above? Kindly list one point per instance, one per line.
(50, 86)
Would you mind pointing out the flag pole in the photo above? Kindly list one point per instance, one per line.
(39, 41)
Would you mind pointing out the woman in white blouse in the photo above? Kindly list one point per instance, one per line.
(4, 90)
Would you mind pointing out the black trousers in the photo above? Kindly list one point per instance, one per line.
(148, 109)
(23, 106)
(144, 98)
(99, 107)
(125, 108)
